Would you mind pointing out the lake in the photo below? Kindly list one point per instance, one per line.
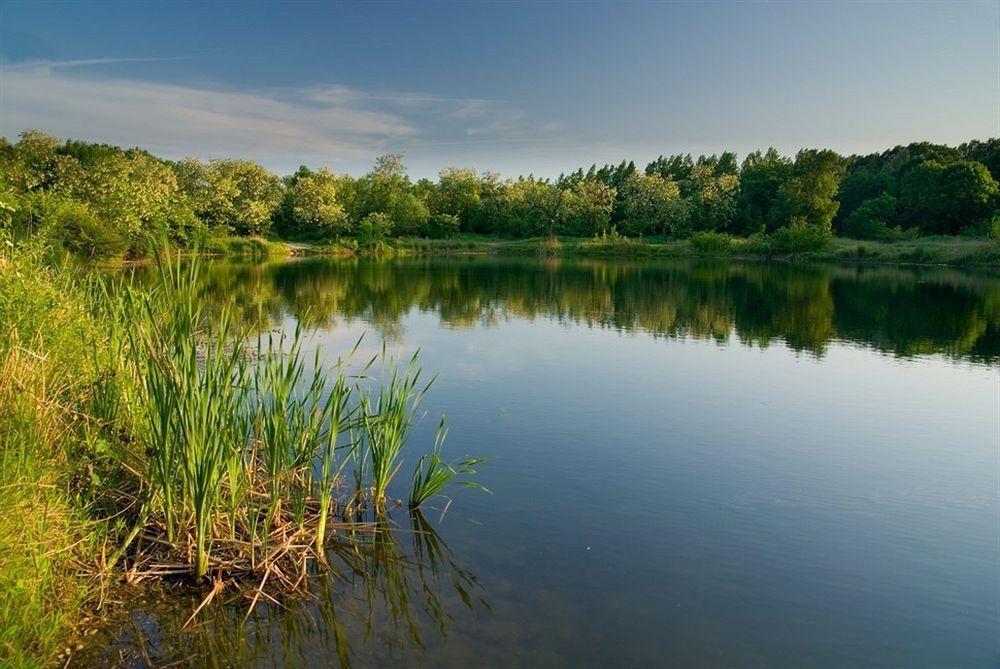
(693, 464)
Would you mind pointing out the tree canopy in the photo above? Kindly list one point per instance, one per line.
(112, 198)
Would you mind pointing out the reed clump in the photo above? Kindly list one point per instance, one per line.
(240, 449)
(143, 432)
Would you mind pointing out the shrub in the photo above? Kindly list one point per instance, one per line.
(373, 230)
(798, 237)
(871, 220)
(81, 232)
(918, 255)
(711, 243)
(443, 226)
(993, 228)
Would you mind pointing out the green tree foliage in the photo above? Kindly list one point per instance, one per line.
(311, 207)
(713, 197)
(873, 220)
(242, 196)
(84, 234)
(799, 236)
(650, 205)
(34, 163)
(443, 226)
(458, 192)
(761, 178)
(590, 206)
(674, 168)
(808, 195)
(374, 229)
(131, 193)
(131, 196)
(387, 189)
(943, 198)
(987, 153)
(532, 208)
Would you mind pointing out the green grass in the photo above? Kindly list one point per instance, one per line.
(240, 450)
(45, 535)
(141, 434)
(255, 247)
(386, 422)
(944, 250)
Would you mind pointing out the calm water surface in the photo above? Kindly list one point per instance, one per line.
(694, 465)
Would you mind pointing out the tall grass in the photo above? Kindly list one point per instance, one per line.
(45, 536)
(140, 428)
(387, 421)
(245, 448)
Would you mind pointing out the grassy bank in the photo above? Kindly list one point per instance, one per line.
(143, 435)
(940, 250)
(48, 537)
(957, 251)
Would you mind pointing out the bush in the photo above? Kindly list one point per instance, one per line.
(993, 228)
(798, 237)
(919, 255)
(871, 220)
(81, 232)
(373, 230)
(711, 243)
(443, 226)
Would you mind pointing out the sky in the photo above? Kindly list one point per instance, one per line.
(513, 87)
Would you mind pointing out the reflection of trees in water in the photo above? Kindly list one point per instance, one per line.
(383, 595)
(904, 311)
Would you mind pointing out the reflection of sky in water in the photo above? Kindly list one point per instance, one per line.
(677, 501)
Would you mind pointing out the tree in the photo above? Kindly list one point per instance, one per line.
(312, 207)
(34, 163)
(132, 192)
(942, 199)
(712, 202)
(241, 196)
(873, 220)
(761, 177)
(443, 226)
(493, 205)
(987, 153)
(808, 194)
(387, 189)
(590, 208)
(373, 230)
(83, 234)
(863, 181)
(409, 214)
(650, 205)
(532, 208)
(458, 193)
(676, 168)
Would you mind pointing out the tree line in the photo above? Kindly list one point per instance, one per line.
(101, 200)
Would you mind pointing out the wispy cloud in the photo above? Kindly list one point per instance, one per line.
(326, 124)
(184, 120)
(47, 66)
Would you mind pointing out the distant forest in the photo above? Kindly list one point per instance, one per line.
(105, 201)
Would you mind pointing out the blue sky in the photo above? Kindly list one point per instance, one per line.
(515, 87)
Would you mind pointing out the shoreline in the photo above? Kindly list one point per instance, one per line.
(927, 251)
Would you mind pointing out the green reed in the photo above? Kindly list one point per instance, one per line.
(432, 474)
(386, 423)
(242, 450)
